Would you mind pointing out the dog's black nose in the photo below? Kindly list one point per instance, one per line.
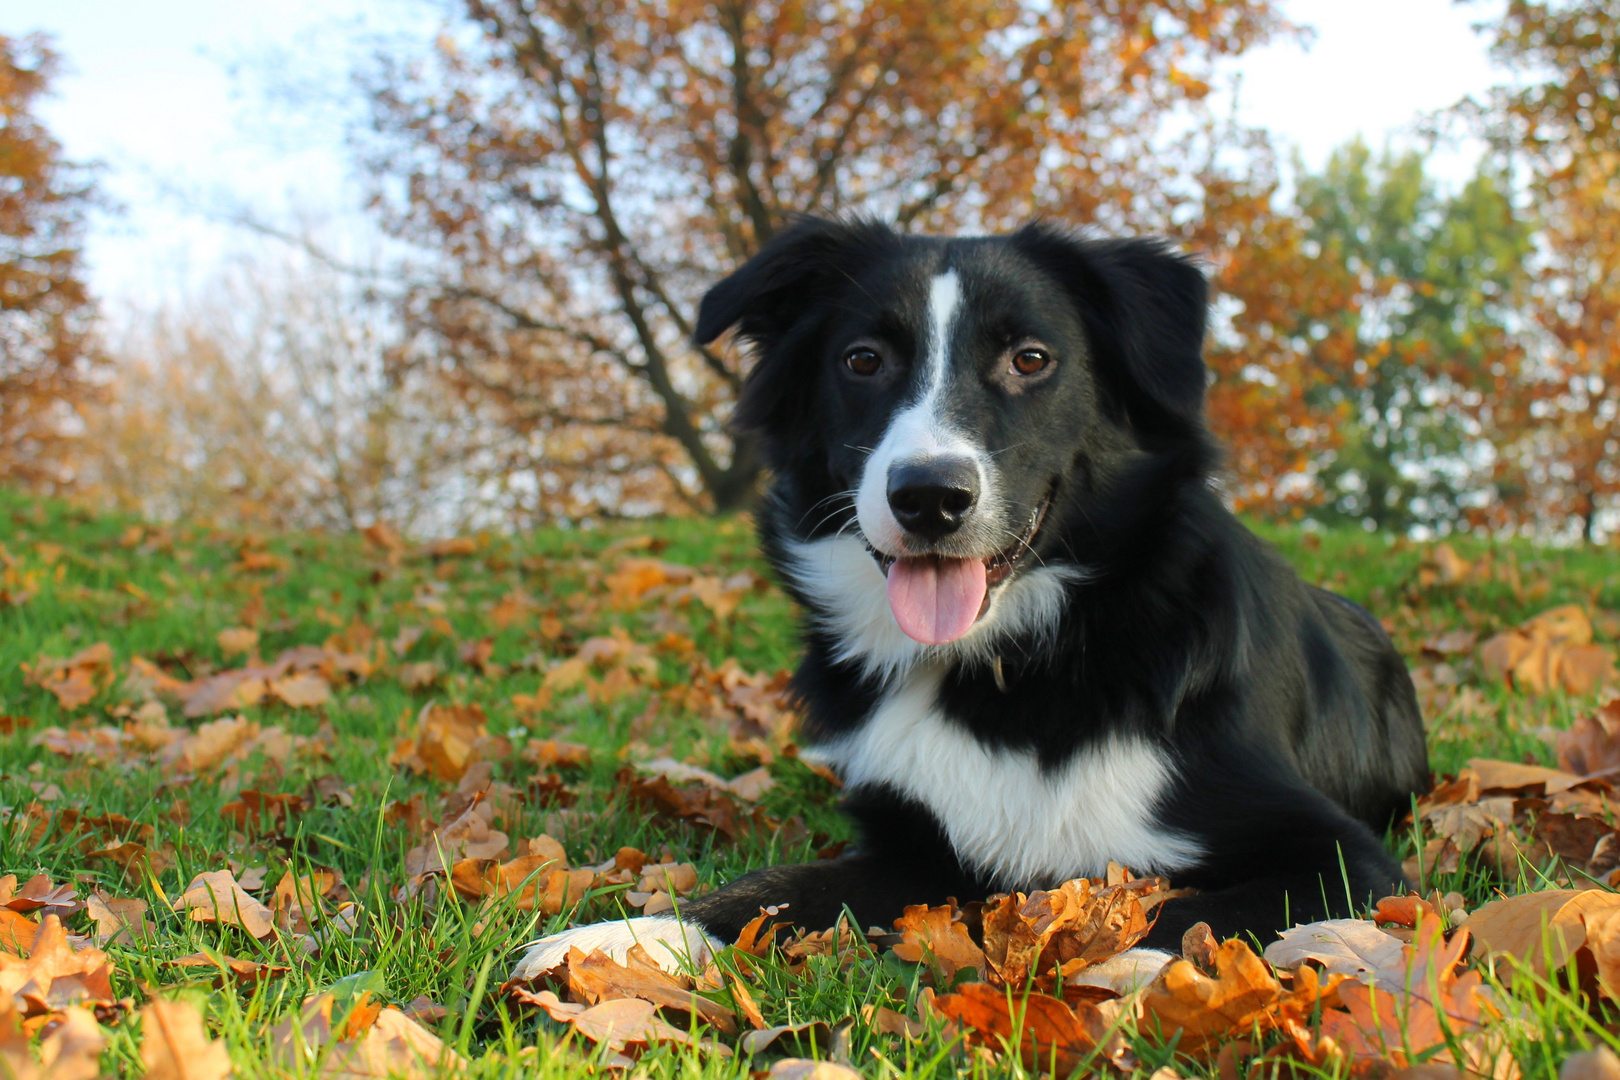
(933, 498)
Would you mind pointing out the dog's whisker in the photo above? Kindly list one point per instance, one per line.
(848, 493)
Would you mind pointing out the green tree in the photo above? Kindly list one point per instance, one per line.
(1439, 276)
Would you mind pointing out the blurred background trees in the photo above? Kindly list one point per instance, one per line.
(48, 355)
(582, 170)
(561, 182)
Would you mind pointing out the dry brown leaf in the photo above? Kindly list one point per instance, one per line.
(217, 897)
(244, 972)
(17, 932)
(38, 892)
(305, 690)
(1048, 1031)
(237, 640)
(1599, 1063)
(175, 1044)
(1550, 651)
(55, 974)
(886, 1021)
(696, 803)
(1537, 929)
(258, 812)
(597, 977)
(555, 754)
(812, 1069)
(936, 936)
(449, 739)
(1602, 941)
(71, 1050)
(1060, 932)
(395, 1045)
(74, 682)
(118, 921)
(1520, 779)
(810, 1036)
(1350, 947)
(1592, 744)
(1204, 1008)
(1431, 1020)
(617, 1024)
(134, 859)
(745, 1001)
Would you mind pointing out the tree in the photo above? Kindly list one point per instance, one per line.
(1563, 125)
(266, 397)
(1438, 279)
(578, 171)
(47, 359)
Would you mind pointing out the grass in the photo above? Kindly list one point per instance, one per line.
(165, 593)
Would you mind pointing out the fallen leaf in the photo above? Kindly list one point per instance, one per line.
(17, 932)
(237, 640)
(1203, 1008)
(74, 682)
(597, 977)
(554, 754)
(1591, 746)
(1519, 778)
(936, 936)
(1047, 1032)
(812, 1036)
(395, 1045)
(1058, 933)
(617, 1024)
(305, 690)
(118, 921)
(38, 892)
(217, 897)
(175, 1044)
(1350, 947)
(1541, 931)
(70, 1050)
(257, 812)
(55, 974)
(449, 739)
(1550, 651)
(1599, 1063)
(1431, 1020)
(244, 972)
(810, 1069)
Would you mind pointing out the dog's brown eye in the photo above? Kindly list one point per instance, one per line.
(1031, 361)
(863, 361)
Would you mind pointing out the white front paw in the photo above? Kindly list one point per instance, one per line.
(673, 945)
(1126, 973)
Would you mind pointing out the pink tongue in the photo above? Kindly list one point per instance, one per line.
(935, 600)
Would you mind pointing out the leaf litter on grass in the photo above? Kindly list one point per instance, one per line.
(476, 687)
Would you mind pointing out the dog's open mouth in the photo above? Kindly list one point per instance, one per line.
(938, 598)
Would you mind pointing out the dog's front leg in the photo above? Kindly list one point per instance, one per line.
(873, 888)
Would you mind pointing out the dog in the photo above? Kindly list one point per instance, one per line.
(1035, 640)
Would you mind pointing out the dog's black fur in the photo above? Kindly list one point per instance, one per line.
(1288, 717)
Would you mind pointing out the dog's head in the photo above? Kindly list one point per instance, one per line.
(955, 399)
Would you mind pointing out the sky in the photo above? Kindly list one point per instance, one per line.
(176, 100)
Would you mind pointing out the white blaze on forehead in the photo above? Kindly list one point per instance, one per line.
(918, 431)
(943, 295)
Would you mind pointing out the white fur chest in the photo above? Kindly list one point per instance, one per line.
(1003, 814)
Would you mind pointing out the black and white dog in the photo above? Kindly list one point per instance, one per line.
(1035, 640)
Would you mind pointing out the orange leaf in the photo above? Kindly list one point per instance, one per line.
(935, 935)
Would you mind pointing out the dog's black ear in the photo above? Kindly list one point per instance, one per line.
(1143, 304)
(767, 294)
(768, 297)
